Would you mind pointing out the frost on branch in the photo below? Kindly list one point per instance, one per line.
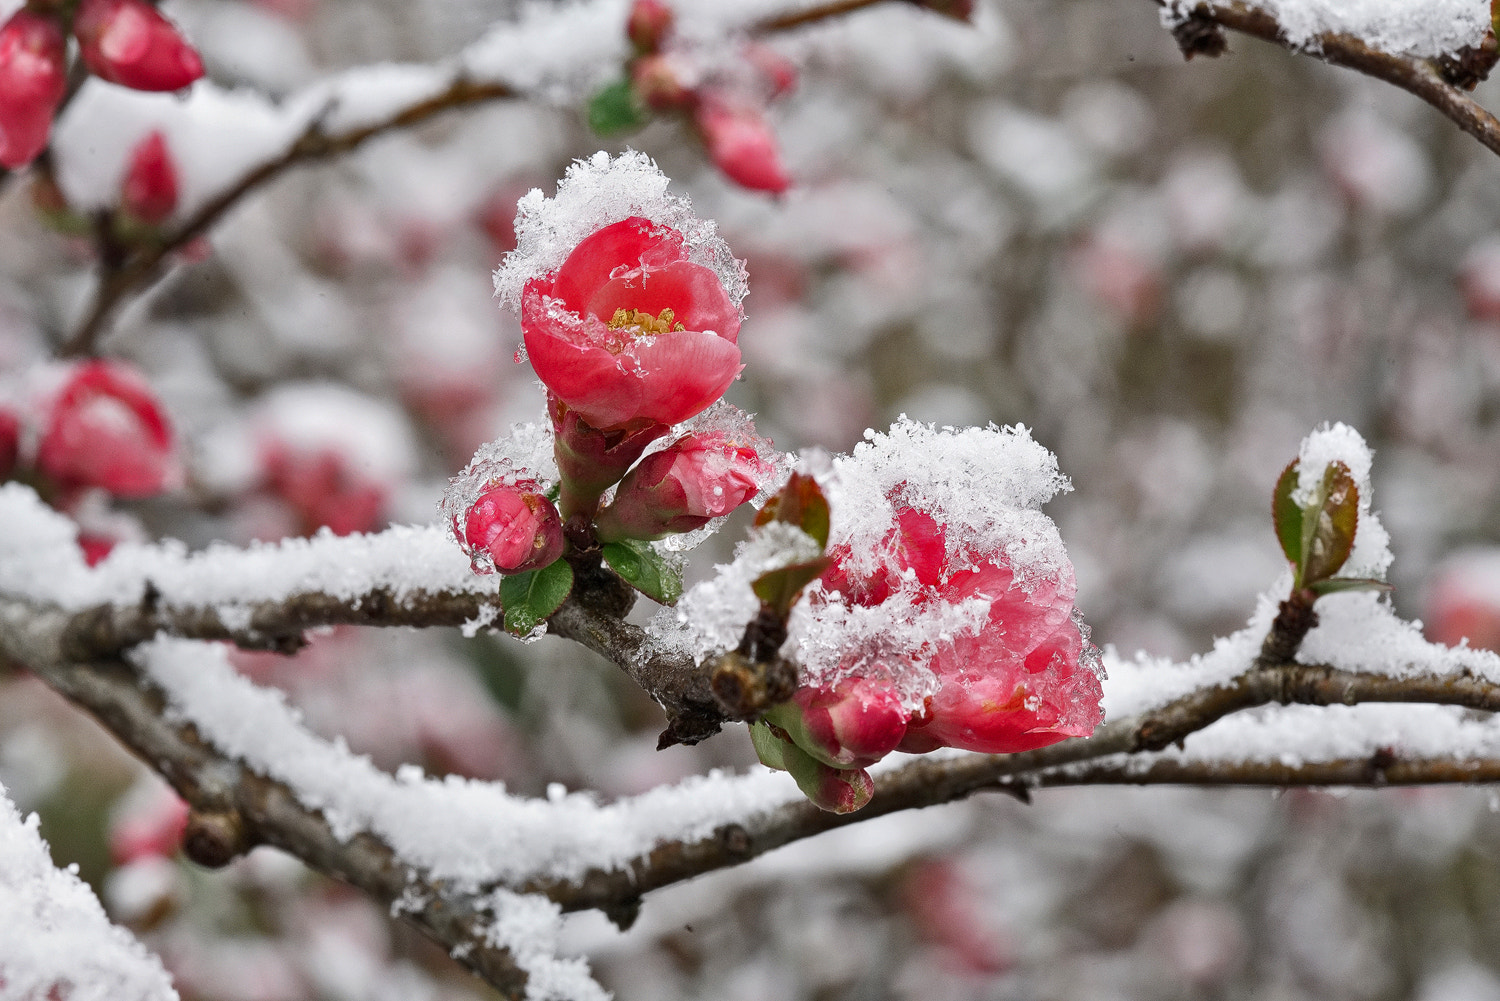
(55, 940)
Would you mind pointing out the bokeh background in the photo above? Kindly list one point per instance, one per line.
(1170, 271)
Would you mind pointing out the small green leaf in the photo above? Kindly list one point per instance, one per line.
(615, 109)
(1336, 585)
(801, 503)
(1329, 525)
(781, 587)
(644, 569)
(529, 598)
(1287, 516)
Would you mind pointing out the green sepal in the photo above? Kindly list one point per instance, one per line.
(1335, 585)
(780, 588)
(801, 503)
(529, 598)
(644, 569)
(768, 746)
(615, 109)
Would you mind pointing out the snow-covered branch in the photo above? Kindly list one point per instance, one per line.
(1432, 67)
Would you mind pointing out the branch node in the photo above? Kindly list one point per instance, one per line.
(622, 913)
(1198, 34)
(215, 839)
(1468, 67)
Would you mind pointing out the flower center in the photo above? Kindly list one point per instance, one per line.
(644, 324)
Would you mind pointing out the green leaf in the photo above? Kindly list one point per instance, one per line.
(1287, 516)
(1329, 524)
(644, 569)
(615, 109)
(1338, 584)
(781, 587)
(801, 503)
(529, 598)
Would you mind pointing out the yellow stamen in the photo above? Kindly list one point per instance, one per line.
(644, 323)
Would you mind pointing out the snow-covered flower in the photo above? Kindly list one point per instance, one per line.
(105, 428)
(512, 528)
(129, 42)
(33, 75)
(629, 330)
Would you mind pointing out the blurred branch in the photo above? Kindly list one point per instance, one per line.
(146, 263)
(234, 809)
(1200, 33)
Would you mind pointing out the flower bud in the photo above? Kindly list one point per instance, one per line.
(513, 528)
(837, 790)
(741, 144)
(10, 443)
(591, 461)
(33, 75)
(649, 24)
(681, 488)
(149, 193)
(107, 429)
(130, 43)
(852, 725)
(663, 82)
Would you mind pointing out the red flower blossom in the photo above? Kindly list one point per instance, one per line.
(33, 74)
(681, 488)
(130, 43)
(149, 193)
(324, 486)
(106, 429)
(629, 330)
(1015, 684)
(512, 529)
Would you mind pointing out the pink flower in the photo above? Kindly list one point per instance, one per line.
(148, 825)
(684, 486)
(740, 143)
(33, 75)
(1016, 684)
(106, 429)
(629, 330)
(512, 528)
(149, 193)
(130, 43)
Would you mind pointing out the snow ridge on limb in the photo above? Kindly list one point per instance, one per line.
(56, 935)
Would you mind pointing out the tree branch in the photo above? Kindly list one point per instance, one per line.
(234, 809)
(1437, 85)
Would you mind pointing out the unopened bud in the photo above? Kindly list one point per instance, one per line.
(837, 790)
(33, 75)
(741, 144)
(852, 725)
(149, 193)
(130, 43)
(683, 487)
(663, 82)
(591, 461)
(649, 24)
(513, 528)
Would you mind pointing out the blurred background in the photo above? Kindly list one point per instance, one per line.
(1171, 272)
